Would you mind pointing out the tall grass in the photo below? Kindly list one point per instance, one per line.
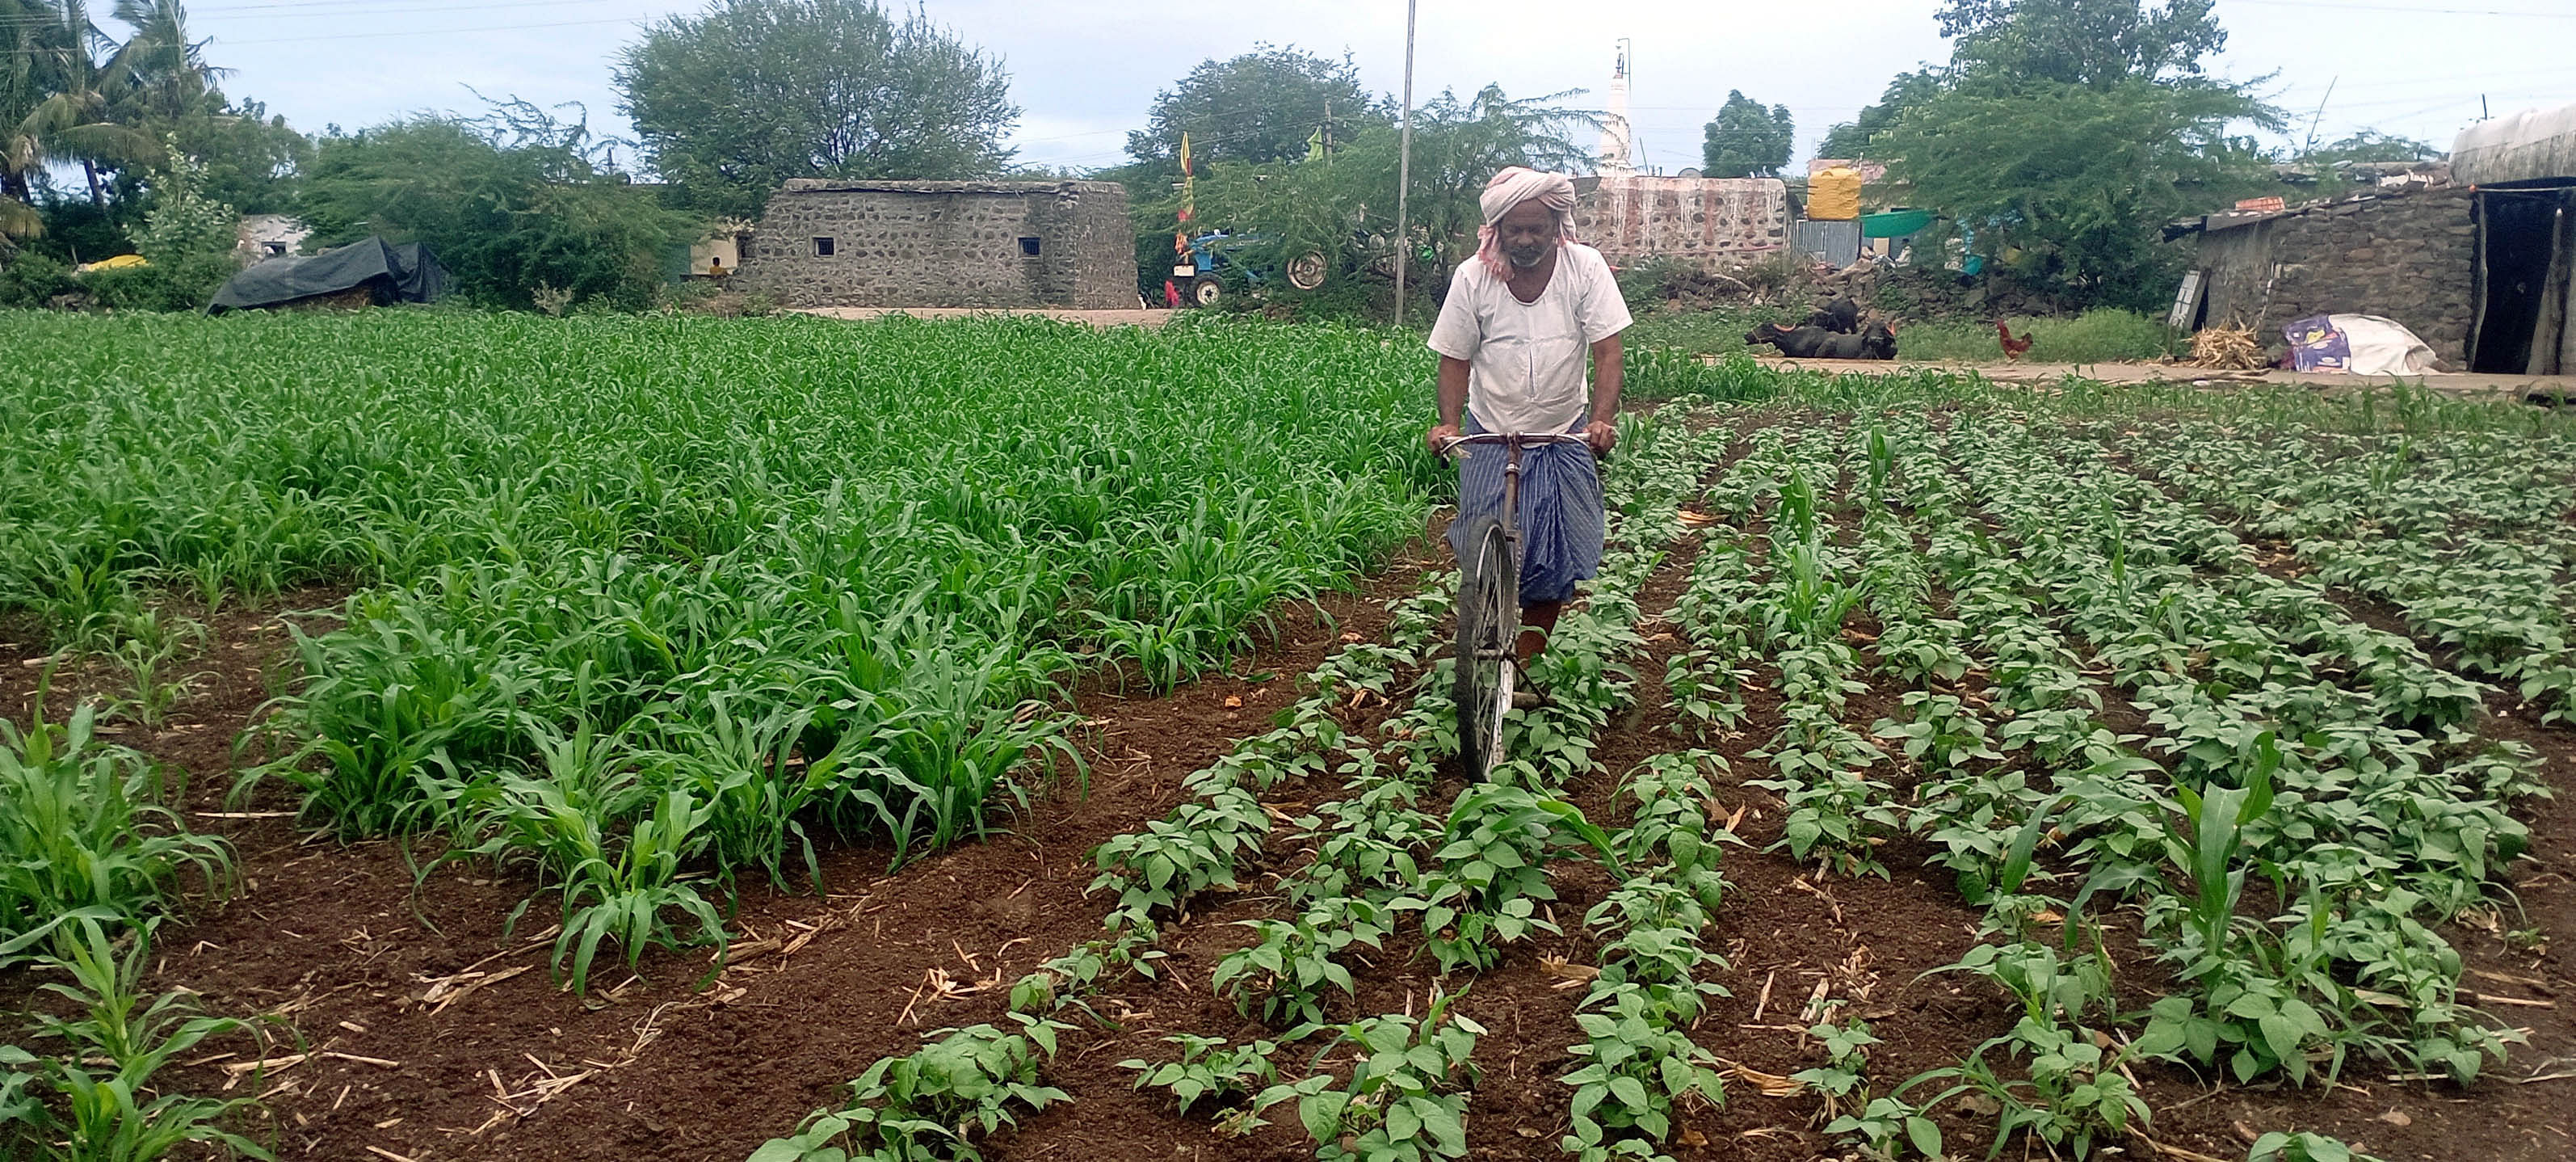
(82, 837)
(733, 547)
(2102, 335)
(2105, 335)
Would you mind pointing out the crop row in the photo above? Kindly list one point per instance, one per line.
(2465, 535)
(1378, 869)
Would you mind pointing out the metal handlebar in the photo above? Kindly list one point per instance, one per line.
(1522, 438)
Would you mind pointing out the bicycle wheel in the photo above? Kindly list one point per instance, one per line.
(1488, 628)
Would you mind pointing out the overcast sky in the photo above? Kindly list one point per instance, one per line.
(1084, 71)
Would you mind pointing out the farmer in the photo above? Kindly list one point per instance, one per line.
(1511, 337)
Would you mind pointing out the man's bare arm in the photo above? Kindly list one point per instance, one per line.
(1453, 401)
(1609, 375)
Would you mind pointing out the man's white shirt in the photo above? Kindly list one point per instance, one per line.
(1527, 359)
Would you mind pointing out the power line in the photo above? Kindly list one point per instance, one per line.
(2338, 6)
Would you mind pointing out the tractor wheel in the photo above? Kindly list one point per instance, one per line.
(1306, 271)
(1206, 291)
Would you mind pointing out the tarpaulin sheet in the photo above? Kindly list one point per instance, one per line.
(396, 273)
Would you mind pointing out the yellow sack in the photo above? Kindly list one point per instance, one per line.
(119, 262)
(1834, 195)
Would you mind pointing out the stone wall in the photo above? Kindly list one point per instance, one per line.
(2409, 257)
(1711, 223)
(944, 244)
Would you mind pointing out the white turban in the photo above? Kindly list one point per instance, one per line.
(1513, 186)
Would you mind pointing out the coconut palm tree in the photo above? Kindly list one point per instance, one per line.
(164, 74)
(77, 119)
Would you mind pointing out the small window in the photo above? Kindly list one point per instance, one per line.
(822, 248)
(742, 249)
(1029, 247)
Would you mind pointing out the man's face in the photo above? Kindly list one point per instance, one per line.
(1527, 232)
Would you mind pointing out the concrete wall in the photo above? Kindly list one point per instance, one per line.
(2409, 257)
(944, 244)
(1711, 223)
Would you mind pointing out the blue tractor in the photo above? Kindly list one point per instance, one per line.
(1201, 274)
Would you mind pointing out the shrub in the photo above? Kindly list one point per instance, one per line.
(187, 284)
(32, 280)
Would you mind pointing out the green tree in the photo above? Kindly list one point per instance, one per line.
(2101, 43)
(1262, 106)
(1851, 139)
(2066, 132)
(510, 202)
(734, 101)
(1344, 205)
(254, 160)
(183, 221)
(1746, 140)
(75, 120)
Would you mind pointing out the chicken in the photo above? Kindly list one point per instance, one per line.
(2013, 348)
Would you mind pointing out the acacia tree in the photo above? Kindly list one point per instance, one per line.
(511, 201)
(1851, 139)
(1746, 140)
(2066, 132)
(734, 101)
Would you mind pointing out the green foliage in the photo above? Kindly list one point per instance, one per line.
(81, 835)
(1745, 140)
(1403, 1101)
(930, 1106)
(1287, 972)
(1344, 205)
(1851, 139)
(2302, 1146)
(2099, 335)
(2067, 131)
(2065, 184)
(643, 633)
(1260, 107)
(183, 222)
(31, 279)
(732, 102)
(509, 202)
(1493, 872)
(94, 1099)
(185, 284)
(1209, 1069)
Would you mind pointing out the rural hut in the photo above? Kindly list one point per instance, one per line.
(831, 242)
(2523, 171)
(2405, 253)
(2479, 262)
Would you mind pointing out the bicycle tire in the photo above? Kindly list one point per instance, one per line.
(1488, 629)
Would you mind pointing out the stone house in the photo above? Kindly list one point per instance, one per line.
(1711, 223)
(2484, 271)
(2407, 256)
(860, 243)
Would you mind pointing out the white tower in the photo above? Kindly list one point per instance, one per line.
(1615, 146)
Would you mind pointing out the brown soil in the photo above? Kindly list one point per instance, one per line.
(452, 1041)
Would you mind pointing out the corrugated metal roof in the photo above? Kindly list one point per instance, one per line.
(2533, 145)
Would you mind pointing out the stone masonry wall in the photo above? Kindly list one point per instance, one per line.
(2409, 257)
(1711, 223)
(944, 244)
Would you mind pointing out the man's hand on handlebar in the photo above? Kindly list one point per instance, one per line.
(1439, 436)
(1601, 436)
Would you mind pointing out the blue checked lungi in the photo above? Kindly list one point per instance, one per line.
(1560, 511)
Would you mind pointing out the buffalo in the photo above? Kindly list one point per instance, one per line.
(1840, 316)
(1877, 341)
